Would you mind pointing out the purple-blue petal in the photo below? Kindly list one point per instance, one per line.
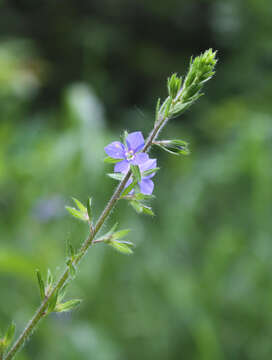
(140, 159)
(121, 166)
(115, 150)
(135, 141)
(146, 186)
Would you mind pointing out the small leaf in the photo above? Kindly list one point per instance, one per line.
(116, 176)
(110, 160)
(70, 250)
(140, 208)
(176, 147)
(129, 188)
(9, 334)
(136, 172)
(72, 268)
(109, 233)
(68, 305)
(136, 206)
(157, 112)
(50, 279)
(148, 210)
(89, 208)
(62, 292)
(80, 206)
(122, 247)
(124, 137)
(151, 171)
(120, 234)
(140, 196)
(77, 214)
(41, 284)
(52, 302)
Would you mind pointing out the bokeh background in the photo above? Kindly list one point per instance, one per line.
(73, 75)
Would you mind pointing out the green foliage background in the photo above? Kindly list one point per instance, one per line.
(73, 75)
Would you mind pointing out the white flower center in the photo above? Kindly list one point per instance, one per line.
(130, 155)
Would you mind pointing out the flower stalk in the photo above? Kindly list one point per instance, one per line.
(201, 69)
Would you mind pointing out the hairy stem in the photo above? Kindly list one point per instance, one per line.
(41, 312)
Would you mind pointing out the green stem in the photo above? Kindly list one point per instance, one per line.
(41, 312)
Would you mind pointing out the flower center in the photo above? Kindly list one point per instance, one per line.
(130, 155)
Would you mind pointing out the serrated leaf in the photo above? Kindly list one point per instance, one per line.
(120, 234)
(110, 160)
(116, 176)
(136, 172)
(77, 214)
(68, 305)
(41, 284)
(9, 334)
(122, 247)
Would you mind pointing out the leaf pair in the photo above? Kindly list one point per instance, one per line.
(82, 212)
(113, 237)
(55, 303)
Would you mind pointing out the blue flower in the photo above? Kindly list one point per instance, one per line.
(146, 184)
(128, 153)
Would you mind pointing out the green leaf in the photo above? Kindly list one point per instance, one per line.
(157, 112)
(176, 147)
(89, 208)
(174, 84)
(148, 210)
(70, 250)
(116, 176)
(62, 291)
(50, 279)
(68, 305)
(52, 302)
(141, 208)
(9, 334)
(123, 137)
(136, 172)
(72, 268)
(110, 160)
(129, 188)
(136, 206)
(151, 171)
(120, 234)
(77, 214)
(140, 196)
(41, 284)
(80, 206)
(122, 247)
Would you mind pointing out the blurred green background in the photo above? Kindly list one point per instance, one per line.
(73, 75)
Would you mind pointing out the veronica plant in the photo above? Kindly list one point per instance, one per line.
(133, 169)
